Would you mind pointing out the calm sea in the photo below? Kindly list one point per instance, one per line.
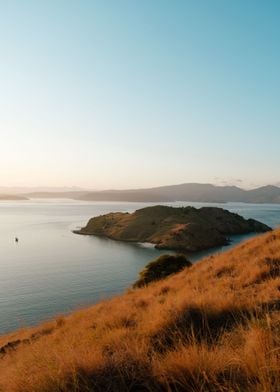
(52, 271)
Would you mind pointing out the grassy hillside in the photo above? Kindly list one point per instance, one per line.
(185, 228)
(212, 327)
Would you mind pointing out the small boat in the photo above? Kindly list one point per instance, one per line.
(16, 239)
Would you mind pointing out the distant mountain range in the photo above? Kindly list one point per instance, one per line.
(192, 192)
(15, 190)
(13, 197)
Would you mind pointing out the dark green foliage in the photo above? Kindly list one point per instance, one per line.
(162, 267)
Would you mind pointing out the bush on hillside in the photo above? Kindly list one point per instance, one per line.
(162, 267)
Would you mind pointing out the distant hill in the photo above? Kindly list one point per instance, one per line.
(192, 192)
(186, 228)
(265, 194)
(182, 192)
(188, 192)
(13, 197)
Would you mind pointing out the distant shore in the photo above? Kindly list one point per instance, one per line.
(187, 192)
(12, 197)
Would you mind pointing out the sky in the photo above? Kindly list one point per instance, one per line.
(123, 93)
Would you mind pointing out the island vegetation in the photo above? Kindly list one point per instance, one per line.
(212, 327)
(185, 228)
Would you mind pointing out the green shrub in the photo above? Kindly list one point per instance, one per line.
(162, 267)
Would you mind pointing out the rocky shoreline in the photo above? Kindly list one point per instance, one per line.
(170, 228)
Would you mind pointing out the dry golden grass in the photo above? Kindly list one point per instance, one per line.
(212, 327)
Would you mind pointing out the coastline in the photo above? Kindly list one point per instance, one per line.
(64, 272)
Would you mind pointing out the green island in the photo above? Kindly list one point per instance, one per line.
(184, 228)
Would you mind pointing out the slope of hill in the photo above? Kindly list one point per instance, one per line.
(184, 228)
(188, 192)
(265, 194)
(212, 327)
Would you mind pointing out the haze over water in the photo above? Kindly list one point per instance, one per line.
(52, 271)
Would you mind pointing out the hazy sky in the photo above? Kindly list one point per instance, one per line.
(127, 93)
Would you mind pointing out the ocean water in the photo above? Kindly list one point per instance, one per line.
(52, 271)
